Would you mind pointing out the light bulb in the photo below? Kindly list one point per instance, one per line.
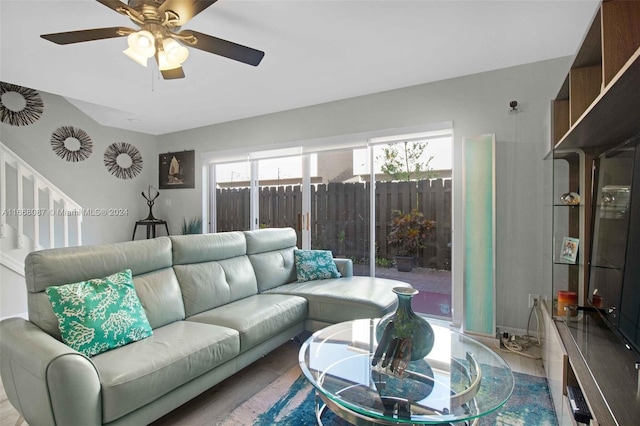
(172, 55)
(142, 43)
(176, 54)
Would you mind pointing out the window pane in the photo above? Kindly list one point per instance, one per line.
(340, 209)
(232, 196)
(414, 177)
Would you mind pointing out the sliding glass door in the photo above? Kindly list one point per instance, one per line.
(343, 197)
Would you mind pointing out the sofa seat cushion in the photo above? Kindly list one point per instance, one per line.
(257, 318)
(344, 299)
(134, 375)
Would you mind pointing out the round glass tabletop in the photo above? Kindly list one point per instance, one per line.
(459, 380)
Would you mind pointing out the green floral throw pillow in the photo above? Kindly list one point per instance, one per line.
(315, 265)
(100, 314)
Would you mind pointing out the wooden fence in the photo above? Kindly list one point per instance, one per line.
(340, 215)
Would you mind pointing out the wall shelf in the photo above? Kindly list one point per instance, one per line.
(613, 117)
(598, 106)
(596, 110)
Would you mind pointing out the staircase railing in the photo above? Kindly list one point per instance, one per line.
(39, 211)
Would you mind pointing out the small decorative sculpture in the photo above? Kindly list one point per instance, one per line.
(151, 201)
(570, 198)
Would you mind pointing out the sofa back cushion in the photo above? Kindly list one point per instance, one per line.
(150, 263)
(271, 254)
(212, 269)
(198, 248)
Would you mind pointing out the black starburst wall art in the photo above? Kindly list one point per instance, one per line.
(123, 160)
(19, 106)
(71, 144)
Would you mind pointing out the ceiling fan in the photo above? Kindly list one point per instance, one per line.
(160, 36)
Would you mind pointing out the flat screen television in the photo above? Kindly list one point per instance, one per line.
(614, 274)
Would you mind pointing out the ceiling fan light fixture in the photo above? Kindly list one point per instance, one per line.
(133, 55)
(175, 52)
(164, 64)
(142, 43)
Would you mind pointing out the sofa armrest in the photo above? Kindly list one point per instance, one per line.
(345, 266)
(45, 380)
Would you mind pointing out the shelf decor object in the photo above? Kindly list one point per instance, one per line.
(404, 329)
(570, 198)
(567, 299)
(123, 160)
(570, 249)
(71, 144)
(19, 106)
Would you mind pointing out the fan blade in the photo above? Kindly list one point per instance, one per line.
(184, 9)
(119, 7)
(225, 48)
(173, 74)
(87, 35)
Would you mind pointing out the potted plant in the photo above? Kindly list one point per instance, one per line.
(192, 226)
(408, 234)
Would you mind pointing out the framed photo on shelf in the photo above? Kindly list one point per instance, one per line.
(177, 170)
(570, 249)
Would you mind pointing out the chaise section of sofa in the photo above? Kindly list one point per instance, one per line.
(330, 301)
(215, 304)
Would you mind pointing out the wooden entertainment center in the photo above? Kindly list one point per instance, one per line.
(596, 110)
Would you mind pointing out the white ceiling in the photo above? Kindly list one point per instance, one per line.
(315, 51)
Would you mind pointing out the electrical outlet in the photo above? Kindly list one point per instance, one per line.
(533, 297)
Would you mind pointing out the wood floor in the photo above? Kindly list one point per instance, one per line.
(212, 406)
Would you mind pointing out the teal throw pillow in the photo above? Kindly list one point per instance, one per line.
(97, 315)
(315, 265)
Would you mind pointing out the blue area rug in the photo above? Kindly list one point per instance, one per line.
(530, 404)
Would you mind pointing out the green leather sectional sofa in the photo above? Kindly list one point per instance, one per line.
(216, 303)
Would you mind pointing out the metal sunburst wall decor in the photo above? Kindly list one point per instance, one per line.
(71, 144)
(123, 160)
(19, 106)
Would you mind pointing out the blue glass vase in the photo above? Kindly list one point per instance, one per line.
(408, 325)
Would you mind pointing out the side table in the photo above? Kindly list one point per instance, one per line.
(151, 227)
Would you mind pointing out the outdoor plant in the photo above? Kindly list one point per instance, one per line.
(406, 161)
(408, 232)
(342, 236)
(384, 262)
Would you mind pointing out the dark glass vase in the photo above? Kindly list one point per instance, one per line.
(408, 325)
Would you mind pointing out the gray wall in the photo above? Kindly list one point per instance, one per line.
(476, 104)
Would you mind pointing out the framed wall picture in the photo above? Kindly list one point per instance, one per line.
(177, 170)
(570, 249)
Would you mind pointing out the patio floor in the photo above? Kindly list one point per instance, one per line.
(434, 287)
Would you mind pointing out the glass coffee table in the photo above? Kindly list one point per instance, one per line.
(459, 381)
